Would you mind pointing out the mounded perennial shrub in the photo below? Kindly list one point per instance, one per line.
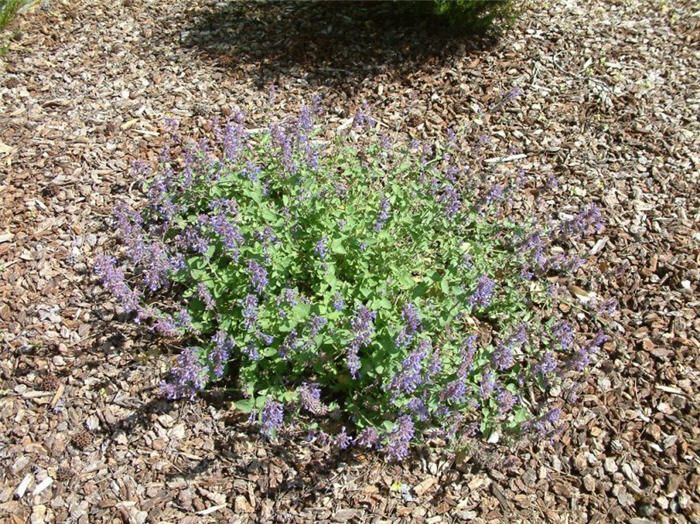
(376, 294)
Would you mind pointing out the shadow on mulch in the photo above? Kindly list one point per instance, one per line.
(312, 473)
(329, 44)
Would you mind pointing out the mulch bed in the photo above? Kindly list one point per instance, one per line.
(611, 105)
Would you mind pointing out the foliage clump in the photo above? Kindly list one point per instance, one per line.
(9, 9)
(478, 16)
(372, 292)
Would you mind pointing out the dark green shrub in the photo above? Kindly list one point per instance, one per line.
(476, 15)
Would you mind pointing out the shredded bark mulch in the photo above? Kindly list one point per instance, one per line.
(611, 105)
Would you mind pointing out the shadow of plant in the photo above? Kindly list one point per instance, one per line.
(280, 470)
(328, 44)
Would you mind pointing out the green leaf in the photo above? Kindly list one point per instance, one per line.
(420, 290)
(405, 280)
(268, 215)
(301, 311)
(199, 275)
(445, 286)
(254, 195)
(337, 247)
(269, 352)
(388, 426)
(246, 405)
(196, 262)
(381, 303)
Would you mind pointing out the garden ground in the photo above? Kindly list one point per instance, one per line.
(611, 106)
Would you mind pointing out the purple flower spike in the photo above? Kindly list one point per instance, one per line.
(113, 279)
(320, 248)
(582, 357)
(503, 356)
(183, 319)
(546, 365)
(231, 237)
(577, 226)
(418, 407)
(290, 297)
(564, 333)
(267, 339)
(166, 327)
(338, 302)
(250, 312)
(454, 392)
(233, 139)
(128, 221)
(505, 400)
(204, 294)
(252, 352)
(383, 214)
(310, 397)
(187, 377)
(284, 143)
(411, 317)
(409, 378)
(362, 325)
(448, 196)
(553, 415)
(435, 366)
(272, 418)
(343, 440)
(399, 439)
(258, 276)
(316, 324)
(291, 343)
(483, 293)
(223, 345)
(495, 195)
(368, 438)
(467, 351)
(488, 382)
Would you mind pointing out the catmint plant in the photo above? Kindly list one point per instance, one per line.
(374, 293)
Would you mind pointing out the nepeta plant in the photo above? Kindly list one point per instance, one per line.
(376, 294)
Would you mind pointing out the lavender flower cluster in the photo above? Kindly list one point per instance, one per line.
(362, 327)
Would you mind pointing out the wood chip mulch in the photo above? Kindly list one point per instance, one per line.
(611, 106)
